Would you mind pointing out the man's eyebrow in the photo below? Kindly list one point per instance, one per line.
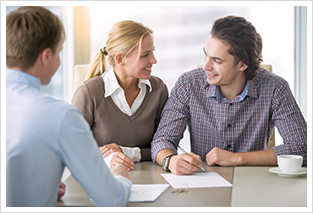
(204, 50)
(217, 58)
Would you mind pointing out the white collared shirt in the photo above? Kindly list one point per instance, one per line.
(113, 89)
(116, 92)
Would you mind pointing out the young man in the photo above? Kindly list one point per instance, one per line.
(230, 106)
(44, 134)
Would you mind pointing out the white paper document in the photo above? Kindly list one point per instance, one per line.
(146, 192)
(197, 180)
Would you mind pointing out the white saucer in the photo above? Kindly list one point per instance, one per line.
(276, 170)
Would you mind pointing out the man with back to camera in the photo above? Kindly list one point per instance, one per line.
(230, 106)
(43, 135)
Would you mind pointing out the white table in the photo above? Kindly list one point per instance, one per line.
(253, 186)
(257, 187)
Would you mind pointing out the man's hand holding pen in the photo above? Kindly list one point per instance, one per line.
(184, 164)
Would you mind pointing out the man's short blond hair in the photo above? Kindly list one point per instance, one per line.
(29, 31)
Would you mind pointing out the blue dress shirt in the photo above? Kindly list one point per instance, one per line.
(43, 135)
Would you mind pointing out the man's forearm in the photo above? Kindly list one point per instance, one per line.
(162, 154)
(258, 158)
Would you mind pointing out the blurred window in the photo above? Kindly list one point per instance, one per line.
(180, 34)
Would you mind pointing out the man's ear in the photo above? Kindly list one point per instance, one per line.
(45, 56)
(119, 59)
(242, 66)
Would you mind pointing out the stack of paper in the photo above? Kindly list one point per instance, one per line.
(196, 180)
(146, 192)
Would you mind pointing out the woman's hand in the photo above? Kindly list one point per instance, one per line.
(61, 191)
(120, 170)
(120, 158)
(110, 148)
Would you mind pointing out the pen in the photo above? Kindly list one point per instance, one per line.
(181, 149)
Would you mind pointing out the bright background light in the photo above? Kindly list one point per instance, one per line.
(180, 33)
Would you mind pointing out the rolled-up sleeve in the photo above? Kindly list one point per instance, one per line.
(290, 123)
(173, 120)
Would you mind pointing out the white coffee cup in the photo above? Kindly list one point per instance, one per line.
(289, 163)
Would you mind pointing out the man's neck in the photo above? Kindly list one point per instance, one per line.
(231, 91)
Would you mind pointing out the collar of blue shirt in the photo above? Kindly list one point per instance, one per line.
(249, 90)
(22, 78)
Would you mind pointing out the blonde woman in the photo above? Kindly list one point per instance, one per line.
(121, 101)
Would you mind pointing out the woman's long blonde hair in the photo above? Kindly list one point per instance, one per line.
(123, 38)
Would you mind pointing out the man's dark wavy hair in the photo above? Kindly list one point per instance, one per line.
(244, 41)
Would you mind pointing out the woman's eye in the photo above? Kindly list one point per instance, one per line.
(145, 55)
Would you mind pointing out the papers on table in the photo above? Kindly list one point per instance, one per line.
(146, 192)
(196, 180)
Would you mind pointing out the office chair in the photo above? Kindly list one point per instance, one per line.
(271, 143)
(80, 72)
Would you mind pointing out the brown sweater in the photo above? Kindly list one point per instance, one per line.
(110, 125)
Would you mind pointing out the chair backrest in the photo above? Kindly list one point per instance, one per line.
(267, 67)
(271, 143)
(80, 72)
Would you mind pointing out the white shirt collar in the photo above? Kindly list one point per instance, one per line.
(111, 83)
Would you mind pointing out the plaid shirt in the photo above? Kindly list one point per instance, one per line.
(241, 125)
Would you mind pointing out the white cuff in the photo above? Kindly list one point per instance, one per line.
(133, 153)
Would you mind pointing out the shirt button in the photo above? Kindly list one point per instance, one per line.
(229, 125)
(230, 104)
(228, 146)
